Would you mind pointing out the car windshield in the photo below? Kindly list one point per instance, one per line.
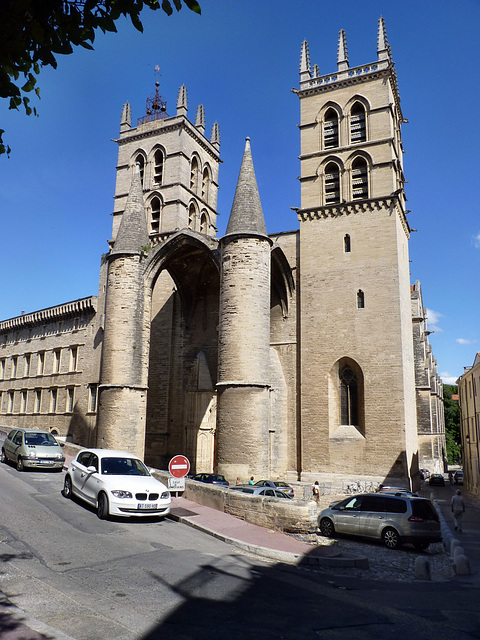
(40, 439)
(123, 467)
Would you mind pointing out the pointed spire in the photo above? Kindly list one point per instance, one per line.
(304, 62)
(182, 101)
(215, 137)
(247, 215)
(133, 234)
(342, 52)
(200, 119)
(126, 119)
(383, 48)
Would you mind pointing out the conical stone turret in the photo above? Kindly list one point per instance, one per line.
(244, 334)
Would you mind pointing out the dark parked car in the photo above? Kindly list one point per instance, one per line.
(437, 479)
(424, 474)
(458, 476)
(394, 519)
(211, 478)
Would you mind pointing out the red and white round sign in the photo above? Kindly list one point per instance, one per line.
(179, 466)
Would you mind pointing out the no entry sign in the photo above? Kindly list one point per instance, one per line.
(179, 466)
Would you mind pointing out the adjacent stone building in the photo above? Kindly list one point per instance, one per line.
(469, 398)
(284, 355)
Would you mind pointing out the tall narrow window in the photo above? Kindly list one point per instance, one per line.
(56, 361)
(348, 397)
(194, 175)
(332, 183)
(73, 358)
(155, 207)
(70, 399)
(14, 366)
(10, 401)
(2, 368)
(359, 179)
(330, 129)
(38, 401)
(360, 299)
(358, 129)
(191, 216)
(158, 167)
(203, 223)
(205, 184)
(23, 402)
(53, 400)
(92, 398)
(41, 363)
(26, 370)
(346, 243)
(140, 162)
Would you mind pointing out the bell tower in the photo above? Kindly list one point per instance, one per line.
(358, 412)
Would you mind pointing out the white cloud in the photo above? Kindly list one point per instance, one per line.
(447, 378)
(464, 341)
(433, 318)
(476, 240)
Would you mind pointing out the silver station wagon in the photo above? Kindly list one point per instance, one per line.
(394, 519)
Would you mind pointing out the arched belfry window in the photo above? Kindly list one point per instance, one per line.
(330, 129)
(359, 179)
(203, 223)
(346, 243)
(205, 184)
(332, 183)
(158, 167)
(360, 299)
(155, 210)
(194, 174)
(358, 125)
(191, 216)
(140, 163)
(348, 397)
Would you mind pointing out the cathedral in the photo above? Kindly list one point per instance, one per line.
(300, 355)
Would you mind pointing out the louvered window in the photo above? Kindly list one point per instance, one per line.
(359, 179)
(194, 175)
(358, 129)
(155, 206)
(332, 183)
(330, 130)
(140, 162)
(158, 167)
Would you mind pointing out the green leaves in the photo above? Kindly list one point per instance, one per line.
(33, 32)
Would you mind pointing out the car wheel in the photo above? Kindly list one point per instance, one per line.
(421, 546)
(3, 457)
(20, 465)
(390, 538)
(326, 527)
(67, 487)
(102, 506)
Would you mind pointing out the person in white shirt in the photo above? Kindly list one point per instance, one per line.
(458, 509)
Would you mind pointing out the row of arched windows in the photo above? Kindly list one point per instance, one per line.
(333, 189)
(152, 172)
(357, 129)
(197, 220)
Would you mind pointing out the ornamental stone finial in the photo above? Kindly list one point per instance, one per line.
(182, 101)
(383, 48)
(304, 62)
(342, 52)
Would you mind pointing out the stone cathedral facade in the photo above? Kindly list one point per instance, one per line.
(299, 355)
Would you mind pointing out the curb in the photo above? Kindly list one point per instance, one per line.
(274, 554)
(25, 626)
(460, 562)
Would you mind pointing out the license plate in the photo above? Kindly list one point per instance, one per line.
(143, 505)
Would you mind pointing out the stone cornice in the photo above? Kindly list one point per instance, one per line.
(68, 309)
(348, 208)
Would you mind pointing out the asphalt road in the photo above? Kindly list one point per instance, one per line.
(121, 580)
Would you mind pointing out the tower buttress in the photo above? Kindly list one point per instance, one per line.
(244, 334)
(342, 55)
(182, 101)
(200, 118)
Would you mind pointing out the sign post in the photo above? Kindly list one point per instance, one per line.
(178, 467)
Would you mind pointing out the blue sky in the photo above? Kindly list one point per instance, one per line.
(240, 59)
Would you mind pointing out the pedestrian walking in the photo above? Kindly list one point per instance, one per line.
(450, 477)
(316, 492)
(458, 509)
(251, 481)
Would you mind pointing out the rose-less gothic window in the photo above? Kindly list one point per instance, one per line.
(348, 396)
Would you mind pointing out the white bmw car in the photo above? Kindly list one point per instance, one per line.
(116, 483)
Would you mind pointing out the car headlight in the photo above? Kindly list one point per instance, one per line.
(32, 454)
(165, 495)
(59, 456)
(121, 494)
